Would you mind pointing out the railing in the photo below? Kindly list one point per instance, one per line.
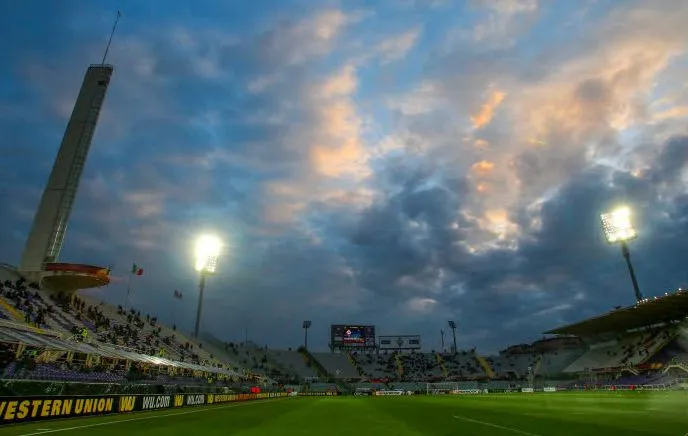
(11, 387)
(657, 387)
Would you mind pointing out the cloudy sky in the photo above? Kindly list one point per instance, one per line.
(393, 162)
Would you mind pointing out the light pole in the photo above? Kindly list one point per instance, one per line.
(207, 252)
(618, 229)
(306, 325)
(452, 326)
(442, 335)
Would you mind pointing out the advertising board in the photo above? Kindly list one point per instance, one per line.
(400, 342)
(47, 407)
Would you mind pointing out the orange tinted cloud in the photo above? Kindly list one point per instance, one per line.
(484, 116)
(482, 167)
(342, 84)
(337, 149)
(497, 221)
(481, 143)
(674, 112)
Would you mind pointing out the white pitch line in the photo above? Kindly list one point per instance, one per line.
(144, 418)
(489, 424)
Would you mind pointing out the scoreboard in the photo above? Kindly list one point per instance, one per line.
(352, 336)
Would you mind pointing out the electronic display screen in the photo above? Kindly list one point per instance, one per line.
(353, 335)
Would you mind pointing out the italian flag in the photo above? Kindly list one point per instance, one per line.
(136, 270)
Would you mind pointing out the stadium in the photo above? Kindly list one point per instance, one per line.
(72, 363)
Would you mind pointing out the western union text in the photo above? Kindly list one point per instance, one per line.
(42, 408)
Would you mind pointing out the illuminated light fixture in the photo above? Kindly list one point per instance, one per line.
(208, 250)
(618, 229)
(617, 225)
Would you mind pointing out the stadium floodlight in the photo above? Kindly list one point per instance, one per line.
(452, 326)
(617, 225)
(618, 229)
(306, 325)
(208, 249)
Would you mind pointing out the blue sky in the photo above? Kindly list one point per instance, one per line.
(393, 162)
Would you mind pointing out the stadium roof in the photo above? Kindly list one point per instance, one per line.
(667, 308)
(33, 339)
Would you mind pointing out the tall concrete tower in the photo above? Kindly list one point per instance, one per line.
(50, 222)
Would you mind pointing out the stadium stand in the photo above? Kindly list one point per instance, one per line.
(296, 362)
(86, 344)
(337, 365)
(47, 337)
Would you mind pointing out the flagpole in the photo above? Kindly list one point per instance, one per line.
(126, 300)
(107, 48)
(109, 273)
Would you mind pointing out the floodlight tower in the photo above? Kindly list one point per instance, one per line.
(47, 233)
(50, 222)
(306, 325)
(452, 326)
(207, 252)
(618, 229)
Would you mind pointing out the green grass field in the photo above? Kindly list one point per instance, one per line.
(542, 414)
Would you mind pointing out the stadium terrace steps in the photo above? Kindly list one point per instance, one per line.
(60, 320)
(375, 366)
(508, 363)
(443, 367)
(17, 316)
(64, 318)
(336, 365)
(485, 365)
(538, 365)
(628, 350)
(212, 345)
(556, 362)
(13, 313)
(312, 362)
(294, 362)
(659, 343)
(399, 364)
(359, 369)
(173, 350)
(250, 352)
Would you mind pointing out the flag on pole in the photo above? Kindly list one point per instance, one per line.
(136, 270)
(178, 295)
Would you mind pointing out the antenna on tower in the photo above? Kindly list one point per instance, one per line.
(114, 27)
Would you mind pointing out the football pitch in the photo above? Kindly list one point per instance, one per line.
(541, 414)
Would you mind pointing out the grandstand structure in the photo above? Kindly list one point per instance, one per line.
(648, 338)
(642, 344)
(40, 260)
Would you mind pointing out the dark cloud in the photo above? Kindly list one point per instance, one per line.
(560, 272)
